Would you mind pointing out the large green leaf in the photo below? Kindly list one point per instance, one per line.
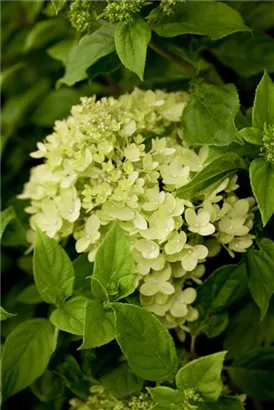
(259, 266)
(204, 375)
(26, 354)
(71, 316)
(213, 19)
(223, 403)
(121, 382)
(209, 116)
(114, 265)
(43, 32)
(131, 40)
(53, 270)
(145, 342)
(90, 49)
(253, 373)
(246, 54)
(263, 108)
(262, 182)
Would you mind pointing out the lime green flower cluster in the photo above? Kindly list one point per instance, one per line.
(167, 6)
(82, 15)
(122, 10)
(267, 148)
(125, 159)
(101, 399)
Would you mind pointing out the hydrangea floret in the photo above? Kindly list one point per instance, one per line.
(82, 15)
(122, 10)
(125, 159)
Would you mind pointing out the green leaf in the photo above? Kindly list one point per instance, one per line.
(145, 342)
(253, 373)
(223, 403)
(31, 9)
(90, 49)
(30, 295)
(4, 315)
(259, 266)
(6, 217)
(165, 396)
(209, 116)
(121, 382)
(55, 106)
(71, 316)
(26, 355)
(245, 325)
(61, 50)
(114, 265)
(99, 326)
(246, 54)
(106, 65)
(53, 270)
(83, 268)
(213, 173)
(258, 14)
(262, 182)
(74, 377)
(43, 32)
(131, 40)
(203, 374)
(58, 5)
(252, 135)
(263, 107)
(48, 387)
(212, 19)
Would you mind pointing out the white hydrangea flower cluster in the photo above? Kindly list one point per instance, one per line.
(125, 159)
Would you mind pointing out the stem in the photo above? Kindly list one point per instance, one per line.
(182, 63)
(192, 345)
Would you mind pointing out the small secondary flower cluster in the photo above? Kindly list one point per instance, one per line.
(82, 15)
(267, 148)
(101, 399)
(122, 10)
(125, 159)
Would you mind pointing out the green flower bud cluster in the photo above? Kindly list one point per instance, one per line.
(167, 6)
(122, 10)
(125, 159)
(268, 143)
(82, 15)
(101, 399)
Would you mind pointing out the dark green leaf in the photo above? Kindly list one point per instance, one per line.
(223, 403)
(131, 40)
(213, 19)
(53, 270)
(204, 375)
(26, 354)
(259, 266)
(71, 316)
(74, 378)
(106, 65)
(114, 265)
(60, 51)
(263, 108)
(253, 373)
(44, 32)
(55, 106)
(209, 116)
(145, 342)
(90, 49)
(246, 54)
(252, 135)
(98, 325)
(48, 387)
(82, 269)
(30, 295)
(262, 182)
(121, 382)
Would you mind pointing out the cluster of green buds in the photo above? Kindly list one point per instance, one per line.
(101, 399)
(167, 6)
(122, 10)
(267, 147)
(125, 159)
(82, 15)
